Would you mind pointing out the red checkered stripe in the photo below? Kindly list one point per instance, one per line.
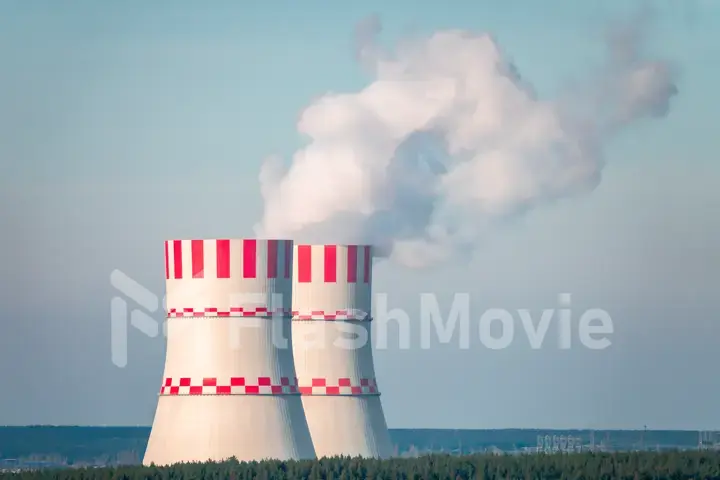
(229, 386)
(331, 316)
(232, 312)
(340, 386)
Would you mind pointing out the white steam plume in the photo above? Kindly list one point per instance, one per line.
(448, 139)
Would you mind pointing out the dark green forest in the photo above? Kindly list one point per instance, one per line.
(585, 466)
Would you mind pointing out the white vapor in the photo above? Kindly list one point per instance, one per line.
(448, 139)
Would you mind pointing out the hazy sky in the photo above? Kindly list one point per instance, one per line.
(127, 124)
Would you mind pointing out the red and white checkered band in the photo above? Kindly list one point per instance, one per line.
(233, 312)
(339, 386)
(228, 386)
(338, 315)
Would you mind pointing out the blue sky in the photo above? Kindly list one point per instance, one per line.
(123, 124)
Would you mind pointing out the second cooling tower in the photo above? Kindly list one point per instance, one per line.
(332, 287)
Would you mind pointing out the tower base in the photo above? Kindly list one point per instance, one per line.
(348, 426)
(198, 428)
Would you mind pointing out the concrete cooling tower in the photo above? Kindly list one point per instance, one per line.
(332, 288)
(229, 387)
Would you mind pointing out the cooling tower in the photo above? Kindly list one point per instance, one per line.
(229, 387)
(332, 287)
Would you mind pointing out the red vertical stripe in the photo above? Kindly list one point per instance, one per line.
(352, 263)
(177, 258)
(198, 258)
(249, 258)
(330, 263)
(223, 258)
(366, 265)
(272, 258)
(167, 261)
(288, 258)
(304, 262)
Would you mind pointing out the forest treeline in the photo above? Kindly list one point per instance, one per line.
(585, 466)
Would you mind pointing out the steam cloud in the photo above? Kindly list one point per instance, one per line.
(449, 139)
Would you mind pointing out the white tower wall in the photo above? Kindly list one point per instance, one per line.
(229, 386)
(332, 286)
